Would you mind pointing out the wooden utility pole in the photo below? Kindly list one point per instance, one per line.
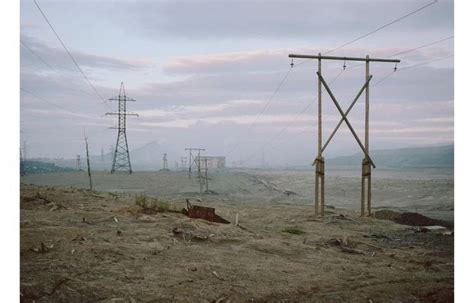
(319, 162)
(366, 169)
(88, 163)
(22, 166)
(367, 161)
(205, 174)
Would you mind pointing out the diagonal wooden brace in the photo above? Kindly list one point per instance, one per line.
(346, 113)
(345, 118)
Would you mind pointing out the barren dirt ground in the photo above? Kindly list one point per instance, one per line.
(82, 246)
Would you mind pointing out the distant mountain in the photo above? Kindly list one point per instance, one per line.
(33, 166)
(433, 156)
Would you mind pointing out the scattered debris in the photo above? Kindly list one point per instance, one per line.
(86, 222)
(268, 185)
(334, 219)
(57, 285)
(116, 220)
(290, 193)
(43, 248)
(189, 234)
(53, 206)
(216, 275)
(221, 300)
(293, 231)
(344, 246)
(79, 238)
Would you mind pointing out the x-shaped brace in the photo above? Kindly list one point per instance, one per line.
(344, 116)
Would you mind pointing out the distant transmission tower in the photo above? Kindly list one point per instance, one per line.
(78, 162)
(121, 154)
(184, 160)
(165, 162)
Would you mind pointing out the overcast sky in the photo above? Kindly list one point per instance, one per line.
(203, 73)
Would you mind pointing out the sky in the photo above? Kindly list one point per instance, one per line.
(216, 75)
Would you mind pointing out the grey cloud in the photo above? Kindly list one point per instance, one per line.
(289, 19)
(424, 83)
(59, 59)
(409, 107)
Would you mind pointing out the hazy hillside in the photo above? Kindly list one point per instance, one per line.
(433, 156)
(146, 157)
(150, 156)
(33, 166)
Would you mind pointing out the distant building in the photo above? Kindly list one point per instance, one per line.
(213, 162)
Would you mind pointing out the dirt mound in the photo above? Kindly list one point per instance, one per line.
(412, 219)
(415, 219)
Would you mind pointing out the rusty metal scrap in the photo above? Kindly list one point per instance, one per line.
(202, 212)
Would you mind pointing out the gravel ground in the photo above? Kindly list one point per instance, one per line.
(98, 246)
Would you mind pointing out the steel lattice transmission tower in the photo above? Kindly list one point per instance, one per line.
(121, 154)
(165, 162)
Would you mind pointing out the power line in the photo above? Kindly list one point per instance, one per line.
(280, 84)
(422, 46)
(408, 50)
(57, 106)
(375, 30)
(49, 66)
(427, 62)
(69, 53)
(48, 102)
(341, 46)
(375, 84)
(411, 66)
(305, 109)
(389, 75)
(383, 26)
